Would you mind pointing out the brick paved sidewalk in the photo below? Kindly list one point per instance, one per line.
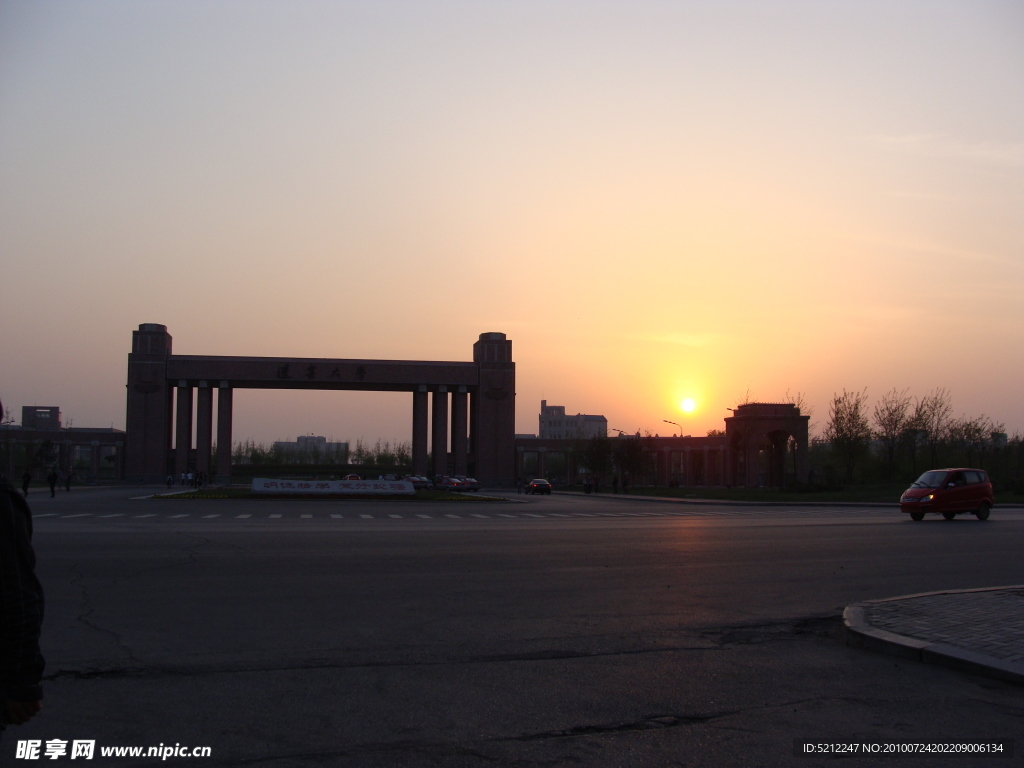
(978, 630)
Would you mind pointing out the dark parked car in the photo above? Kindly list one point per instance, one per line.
(468, 483)
(539, 486)
(448, 484)
(419, 483)
(950, 492)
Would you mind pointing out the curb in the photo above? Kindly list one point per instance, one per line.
(858, 633)
(726, 502)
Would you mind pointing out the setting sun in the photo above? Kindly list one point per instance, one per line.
(689, 405)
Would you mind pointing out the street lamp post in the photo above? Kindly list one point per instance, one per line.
(675, 425)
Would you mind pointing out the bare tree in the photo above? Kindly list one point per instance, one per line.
(806, 409)
(891, 415)
(972, 435)
(848, 429)
(936, 413)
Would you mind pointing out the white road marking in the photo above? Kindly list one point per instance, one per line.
(336, 517)
(274, 517)
(458, 516)
(370, 517)
(240, 516)
(485, 517)
(80, 514)
(184, 515)
(306, 516)
(116, 514)
(425, 517)
(138, 517)
(48, 514)
(397, 516)
(139, 498)
(503, 515)
(214, 515)
(530, 514)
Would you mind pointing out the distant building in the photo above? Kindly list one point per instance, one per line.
(312, 447)
(34, 417)
(556, 425)
(40, 443)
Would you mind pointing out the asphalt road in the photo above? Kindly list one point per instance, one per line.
(550, 631)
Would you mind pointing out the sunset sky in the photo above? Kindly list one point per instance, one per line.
(654, 200)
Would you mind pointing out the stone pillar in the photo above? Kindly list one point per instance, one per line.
(150, 406)
(225, 404)
(494, 411)
(419, 431)
(183, 434)
(439, 443)
(752, 464)
(204, 428)
(459, 426)
(474, 398)
(542, 464)
(803, 463)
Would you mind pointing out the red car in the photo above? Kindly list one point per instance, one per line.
(950, 492)
(448, 484)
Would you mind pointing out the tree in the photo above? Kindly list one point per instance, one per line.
(936, 414)
(629, 455)
(598, 456)
(848, 429)
(972, 435)
(891, 415)
(806, 409)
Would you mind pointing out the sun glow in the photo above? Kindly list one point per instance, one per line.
(688, 405)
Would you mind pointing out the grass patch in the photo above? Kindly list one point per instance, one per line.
(246, 493)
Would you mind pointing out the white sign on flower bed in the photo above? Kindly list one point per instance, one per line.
(375, 487)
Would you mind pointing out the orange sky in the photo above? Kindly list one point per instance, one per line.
(653, 200)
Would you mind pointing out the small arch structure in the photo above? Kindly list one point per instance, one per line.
(768, 445)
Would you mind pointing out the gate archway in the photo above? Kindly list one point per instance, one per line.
(478, 395)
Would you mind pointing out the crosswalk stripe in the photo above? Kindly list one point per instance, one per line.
(425, 517)
(242, 516)
(397, 516)
(214, 515)
(274, 517)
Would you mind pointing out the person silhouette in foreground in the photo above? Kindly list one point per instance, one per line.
(21, 612)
